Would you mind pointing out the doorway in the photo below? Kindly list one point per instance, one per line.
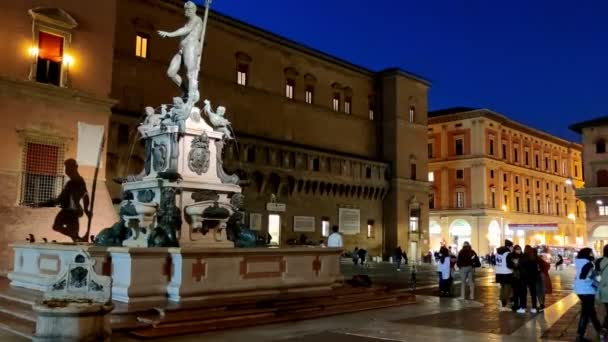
(274, 229)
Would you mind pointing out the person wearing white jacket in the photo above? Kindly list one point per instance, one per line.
(443, 269)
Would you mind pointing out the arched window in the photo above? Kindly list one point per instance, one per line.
(600, 146)
(602, 178)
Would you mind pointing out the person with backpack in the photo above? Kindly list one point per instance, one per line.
(602, 269)
(585, 286)
(467, 262)
(504, 274)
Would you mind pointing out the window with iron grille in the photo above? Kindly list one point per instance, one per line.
(42, 171)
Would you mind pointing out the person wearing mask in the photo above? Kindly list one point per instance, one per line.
(543, 283)
(465, 259)
(602, 269)
(504, 274)
(585, 288)
(529, 274)
(443, 269)
(516, 283)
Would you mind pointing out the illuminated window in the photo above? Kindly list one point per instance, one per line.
(431, 176)
(241, 74)
(347, 105)
(141, 45)
(336, 102)
(412, 114)
(325, 228)
(289, 88)
(310, 92)
(370, 229)
(50, 58)
(414, 224)
(603, 210)
(42, 171)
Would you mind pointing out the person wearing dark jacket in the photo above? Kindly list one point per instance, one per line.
(504, 274)
(398, 255)
(529, 274)
(467, 272)
(516, 284)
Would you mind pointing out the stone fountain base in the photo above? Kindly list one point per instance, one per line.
(185, 274)
(68, 321)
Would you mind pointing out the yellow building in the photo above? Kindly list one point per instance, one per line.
(494, 178)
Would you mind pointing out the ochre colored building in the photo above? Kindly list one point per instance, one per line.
(321, 134)
(55, 76)
(595, 192)
(494, 178)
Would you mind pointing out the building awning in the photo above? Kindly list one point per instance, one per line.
(548, 227)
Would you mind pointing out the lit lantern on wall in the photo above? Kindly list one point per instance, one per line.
(68, 61)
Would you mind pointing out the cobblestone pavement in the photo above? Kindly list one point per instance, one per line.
(565, 328)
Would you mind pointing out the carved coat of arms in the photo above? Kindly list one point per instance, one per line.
(198, 158)
(159, 153)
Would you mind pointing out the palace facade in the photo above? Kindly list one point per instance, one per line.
(335, 143)
(494, 178)
(595, 167)
(55, 81)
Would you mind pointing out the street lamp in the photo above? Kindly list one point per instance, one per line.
(68, 60)
(33, 52)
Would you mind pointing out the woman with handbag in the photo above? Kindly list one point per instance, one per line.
(585, 286)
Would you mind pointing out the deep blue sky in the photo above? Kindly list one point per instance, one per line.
(541, 62)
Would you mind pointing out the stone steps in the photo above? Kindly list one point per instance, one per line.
(17, 326)
(200, 321)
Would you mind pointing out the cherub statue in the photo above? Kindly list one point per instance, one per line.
(217, 120)
(151, 121)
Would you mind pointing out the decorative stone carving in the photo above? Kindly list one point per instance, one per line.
(145, 196)
(198, 158)
(159, 152)
(242, 236)
(223, 176)
(169, 221)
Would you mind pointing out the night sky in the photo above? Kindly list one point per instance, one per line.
(542, 62)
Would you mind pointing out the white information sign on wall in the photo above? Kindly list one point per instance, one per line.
(350, 221)
(255, 221)
(304, 224)
(276, 207)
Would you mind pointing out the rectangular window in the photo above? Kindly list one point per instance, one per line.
(459, 147)
(538, 206)
(516, 179)
(504, 177)
(564, 169)
(491, 147)
(603, 210)
(538, 184)
(432, 201)
(515, 155)
(517, 203)
(414, 222)
(504, 151)
(431, 176)
(336, 102)
(50, 58)
(528, 205)
(289, 88)
(348, 105)
(459, 199)
(492, 174)
(430, 150)
(460, 174)
(325, 228)
(310, 92)
(527, 161)
(566, 208)
(371, 114)
(493, 199)
(241, 74)
(546, 164)
(557, 209)
(555, 165)
(575, 170)
(548, 212)
(413, 171)
(141, 45)
(536, 162)
(370, 229)
(506, 200)
(42, 172)
(527, 182)
(412, 114)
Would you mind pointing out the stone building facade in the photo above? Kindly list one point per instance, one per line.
(55, 76)
(494, 178)
(595, 167)
(322, 135)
